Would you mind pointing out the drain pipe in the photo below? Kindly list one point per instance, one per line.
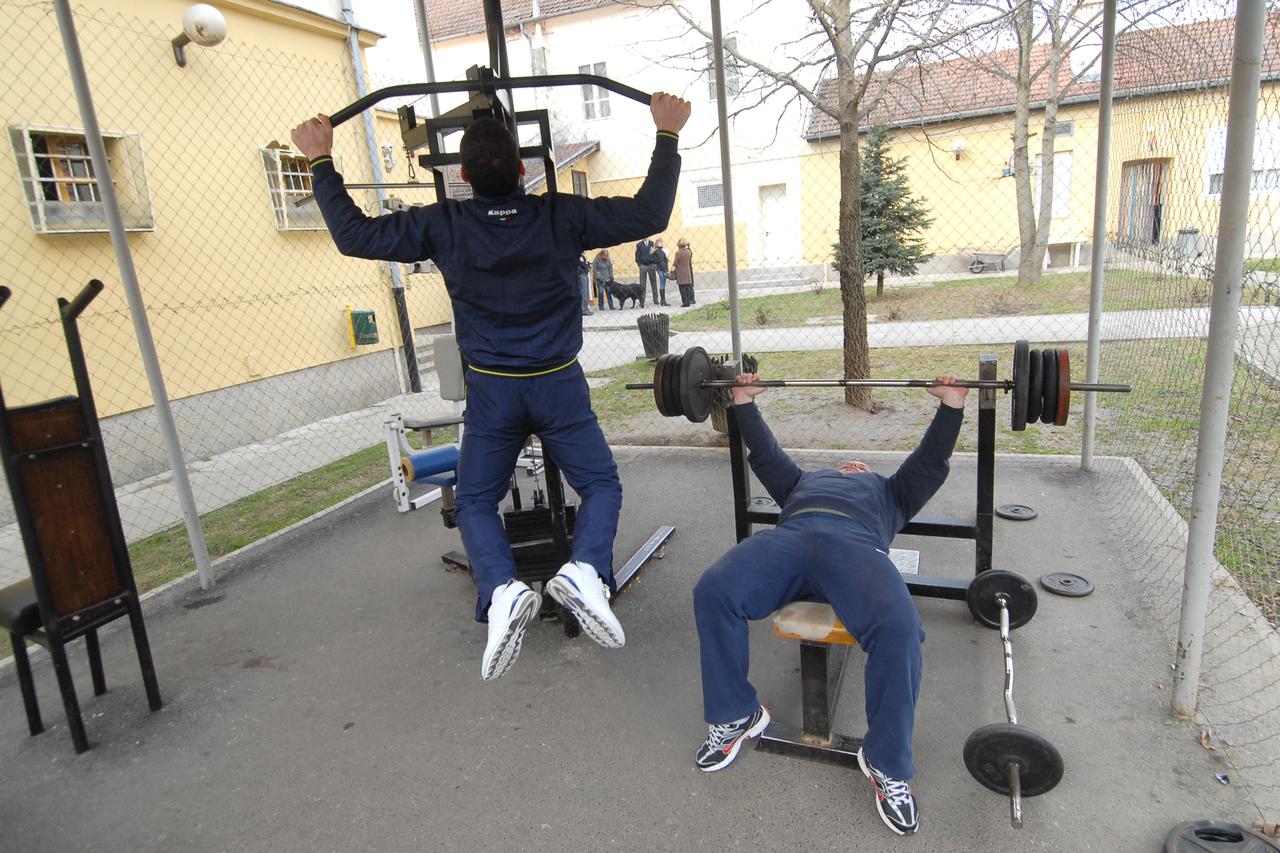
(371, 140)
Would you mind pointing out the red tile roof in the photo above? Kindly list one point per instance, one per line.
(1155, 59)
(565, 156)
(452, 18)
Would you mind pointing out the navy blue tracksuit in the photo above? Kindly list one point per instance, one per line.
(831, 544)
(510, 267)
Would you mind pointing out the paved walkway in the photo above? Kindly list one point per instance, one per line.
(611, 339)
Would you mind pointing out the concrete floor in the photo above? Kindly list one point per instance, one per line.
(326, 696)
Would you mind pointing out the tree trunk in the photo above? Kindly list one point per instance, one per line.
(853, 295)
(1028, 261)
(879, 283)
(1048, 145)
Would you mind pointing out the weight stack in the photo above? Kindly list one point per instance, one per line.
(720, 401)
(654, 334)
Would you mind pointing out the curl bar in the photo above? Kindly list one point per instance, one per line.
(686, 384)
(489, 86)
(1009, 758)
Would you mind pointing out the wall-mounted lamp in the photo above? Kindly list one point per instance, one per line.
(958, 146)
(201, 24)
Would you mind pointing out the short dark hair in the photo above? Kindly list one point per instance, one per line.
(491, 157)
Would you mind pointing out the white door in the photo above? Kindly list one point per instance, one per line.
(775, 230)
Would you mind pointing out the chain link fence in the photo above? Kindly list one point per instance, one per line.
(1166, 171)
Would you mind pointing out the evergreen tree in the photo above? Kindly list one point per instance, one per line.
(891, 218)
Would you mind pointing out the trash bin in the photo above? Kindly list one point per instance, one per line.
(719, 420)
(654, 333)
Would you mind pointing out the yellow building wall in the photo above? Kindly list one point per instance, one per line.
(230, 297)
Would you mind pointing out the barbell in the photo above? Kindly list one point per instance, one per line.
(1041, 384)
(1009, 758)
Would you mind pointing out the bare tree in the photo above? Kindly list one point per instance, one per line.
(1058, 46)
(863, 45)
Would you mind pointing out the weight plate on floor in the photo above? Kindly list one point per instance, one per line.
(990, 750)
(1049, 379)
(1020, 598)
(1203, 836)
(1035, 389)
(659, 367)
(1021, 369)
(695, 368)
(1065, 583)
(1016, 512)
(1064, 387)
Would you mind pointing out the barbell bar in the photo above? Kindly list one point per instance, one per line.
(685, 385)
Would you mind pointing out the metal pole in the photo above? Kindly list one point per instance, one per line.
(1098, 248)
(424, 35)
(726, 180)
(371, 140)
(1233, 229)
(133, 292)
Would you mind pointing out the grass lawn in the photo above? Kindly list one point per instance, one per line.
(976, 296)
(166, 555)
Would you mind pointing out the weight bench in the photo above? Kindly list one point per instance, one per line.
(825, 645)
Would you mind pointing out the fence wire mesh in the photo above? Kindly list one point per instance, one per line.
(1168, 158)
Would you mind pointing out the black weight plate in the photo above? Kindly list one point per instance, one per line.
(991, 749)
(1016, 512)
(1204, 836)
(697, 371)
(1019, 593)
(1065, 583)
(1035, 388)
(1049, 379)
(1021, 369)
(1064, 387)
(671, 386)
(659, 368)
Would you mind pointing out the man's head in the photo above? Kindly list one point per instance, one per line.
(490, 158)
(853, 466)
(658, 243)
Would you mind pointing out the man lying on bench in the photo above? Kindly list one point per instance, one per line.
(831, 544)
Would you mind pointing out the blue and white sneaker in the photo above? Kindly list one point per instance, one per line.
(513, 605)
(894, 799)
(724, 740)
(584, 593)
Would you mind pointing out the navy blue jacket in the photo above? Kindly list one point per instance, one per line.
(509, 264)
(881, 504)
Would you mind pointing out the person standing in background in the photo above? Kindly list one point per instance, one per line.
(584, 282)
(682, 271)
(648, 272)
(661, 263)
(602, 269)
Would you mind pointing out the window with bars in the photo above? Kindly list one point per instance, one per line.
(579, 183)
(289, 186)
(710, 196)
(62, 189)
(732, 70)
(595, 101)
(1266, 160)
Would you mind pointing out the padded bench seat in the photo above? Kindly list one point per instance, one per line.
(19, 610)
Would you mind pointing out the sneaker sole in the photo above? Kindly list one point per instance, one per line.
(750, 733)
(875, 792)
(596, 628)
(508, 648)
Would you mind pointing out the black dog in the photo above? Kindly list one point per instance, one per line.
(622, 292)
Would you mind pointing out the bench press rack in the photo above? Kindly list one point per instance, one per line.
(822, 673)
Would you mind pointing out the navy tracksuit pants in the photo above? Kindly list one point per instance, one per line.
(502, 412)
(822, 557)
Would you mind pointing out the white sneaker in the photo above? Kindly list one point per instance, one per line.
(512, 606)
(584, 593)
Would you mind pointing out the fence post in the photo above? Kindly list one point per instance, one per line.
(132, 291)
(1215, 397)
(1098, 248)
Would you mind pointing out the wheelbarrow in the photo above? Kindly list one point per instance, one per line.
(983, 261)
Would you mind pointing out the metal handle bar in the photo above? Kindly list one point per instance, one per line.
(999, 384)
(76, 306)
(1015, 775)
(491, 86)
